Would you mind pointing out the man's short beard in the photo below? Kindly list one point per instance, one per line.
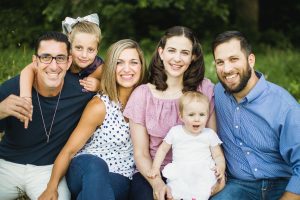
(243, 83)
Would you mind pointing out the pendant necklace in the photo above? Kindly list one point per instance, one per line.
(47, 133)
(121, 106)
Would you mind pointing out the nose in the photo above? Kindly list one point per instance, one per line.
(227, 67)
(197, 118)
(177, 57)
(126, 67)
(53, 65)
(84, 53)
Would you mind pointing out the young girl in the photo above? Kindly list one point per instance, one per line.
(99, 151)
(85, 36)
(196, 152)
(177, 66)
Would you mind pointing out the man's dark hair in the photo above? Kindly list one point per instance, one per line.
(229, 35)
(53, 35)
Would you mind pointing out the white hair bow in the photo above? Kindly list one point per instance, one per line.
(69, 22)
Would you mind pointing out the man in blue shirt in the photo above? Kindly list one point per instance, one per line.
(259, 124)
(27, 155)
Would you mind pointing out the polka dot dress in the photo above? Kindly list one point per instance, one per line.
(111, 141)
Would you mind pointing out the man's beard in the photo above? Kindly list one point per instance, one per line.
(243, 82)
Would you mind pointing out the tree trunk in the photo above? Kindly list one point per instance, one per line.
(247, 16)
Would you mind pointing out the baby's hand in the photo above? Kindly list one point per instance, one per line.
(220, 184)
(90, 84)
(219, 172)
(152, 173)
(26, 121)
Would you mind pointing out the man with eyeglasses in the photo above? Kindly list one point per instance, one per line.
(27, 155)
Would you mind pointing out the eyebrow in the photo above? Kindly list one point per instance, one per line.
(48, 54)
(185, 50)
(180, 49)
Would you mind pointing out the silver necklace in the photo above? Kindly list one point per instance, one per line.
(121, 106)
(47, 133)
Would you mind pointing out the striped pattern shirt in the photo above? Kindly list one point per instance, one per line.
(261, 133)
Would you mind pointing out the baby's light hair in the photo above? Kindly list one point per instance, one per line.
(191, 96)
(86, 27)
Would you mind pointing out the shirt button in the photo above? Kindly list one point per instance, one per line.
(241, 143)
(237, 108)
(248, 152)
(255, 169)
(236, 126)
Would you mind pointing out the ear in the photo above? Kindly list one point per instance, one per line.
(251, 60)
(35, 60)
(160, 51)
(180, 116)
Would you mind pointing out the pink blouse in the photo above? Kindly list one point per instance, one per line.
(159, 115)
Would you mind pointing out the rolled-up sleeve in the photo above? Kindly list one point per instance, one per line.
(290, 147)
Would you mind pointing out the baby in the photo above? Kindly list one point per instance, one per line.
(198, 160)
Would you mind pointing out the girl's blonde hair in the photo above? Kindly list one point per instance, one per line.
(108, 78)
(190, 96)
(86, 27)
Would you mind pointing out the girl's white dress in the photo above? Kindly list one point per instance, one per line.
(190, 175)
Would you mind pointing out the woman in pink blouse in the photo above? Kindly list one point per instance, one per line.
(177, 66)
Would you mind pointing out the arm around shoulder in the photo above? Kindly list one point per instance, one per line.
(93, 81)
(27, 77)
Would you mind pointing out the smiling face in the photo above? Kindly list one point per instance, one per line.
(84, 49)
(128, 69)
(234, 68)
(194, 116)
(50, 77)
(176, 55)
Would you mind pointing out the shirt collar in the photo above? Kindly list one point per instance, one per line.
(256, 91)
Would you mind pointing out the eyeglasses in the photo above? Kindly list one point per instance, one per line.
(47, 59)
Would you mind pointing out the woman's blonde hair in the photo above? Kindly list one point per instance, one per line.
(191, 96)
(86, 27)
(108, 78)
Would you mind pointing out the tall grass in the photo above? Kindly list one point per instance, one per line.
(279, 66)
(12, 61)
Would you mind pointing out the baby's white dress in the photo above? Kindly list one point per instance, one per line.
(190, 175)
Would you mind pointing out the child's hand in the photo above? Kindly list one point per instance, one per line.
(219, 172)
(152, 173)
(220, 184)
(91, 84)
(26, 121)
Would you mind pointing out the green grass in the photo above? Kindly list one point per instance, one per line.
(12, 61)
(279, 66)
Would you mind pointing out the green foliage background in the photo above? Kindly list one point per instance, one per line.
(273, 28)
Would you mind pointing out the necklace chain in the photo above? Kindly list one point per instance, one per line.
(121, 106)
(47, 133)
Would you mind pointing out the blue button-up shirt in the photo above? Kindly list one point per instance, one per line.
(261, 133)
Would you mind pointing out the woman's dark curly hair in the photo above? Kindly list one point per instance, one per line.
(193, 76)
